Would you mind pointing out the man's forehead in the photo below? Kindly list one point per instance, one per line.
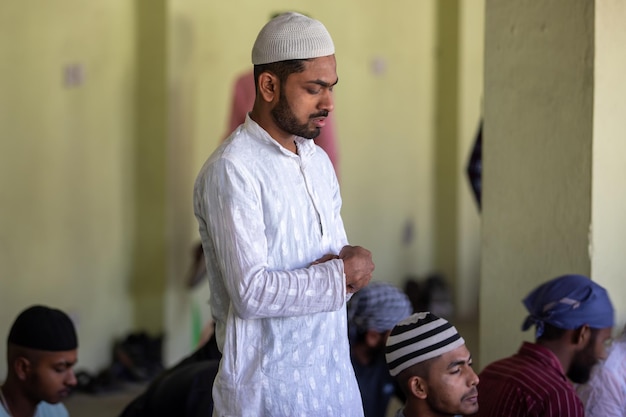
(461, 353)
(321, 61)
(319, 69)
(60, 358)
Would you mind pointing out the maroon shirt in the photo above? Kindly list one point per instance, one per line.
(530, 383)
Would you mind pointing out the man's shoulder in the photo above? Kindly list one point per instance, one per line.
(45, 409)
(245, 144)
(536, 379)
(399, 413)
(498, 364)
(515, 369)
(238, 148)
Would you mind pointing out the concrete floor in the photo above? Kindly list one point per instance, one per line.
(102, 405)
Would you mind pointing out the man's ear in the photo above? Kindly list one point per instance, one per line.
(418, 387)
(269, 86)
(373, 338)
(22, 367)
(582, 336)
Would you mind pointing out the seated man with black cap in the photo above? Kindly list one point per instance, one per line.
(432, 365)
(41, 352)
(573, 318)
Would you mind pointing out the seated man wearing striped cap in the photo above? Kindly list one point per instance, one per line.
(573, 317)
(430, 361)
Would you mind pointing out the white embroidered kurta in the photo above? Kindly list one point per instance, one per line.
(265, 214)
(604, 395)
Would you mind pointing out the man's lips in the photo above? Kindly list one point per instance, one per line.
(65, 393)
(472, 396)
(319, 121)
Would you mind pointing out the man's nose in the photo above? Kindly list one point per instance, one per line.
(328, 102)
(71, 378)
(474, 380)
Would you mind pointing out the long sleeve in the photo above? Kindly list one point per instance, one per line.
(236, 218)
(265, 214)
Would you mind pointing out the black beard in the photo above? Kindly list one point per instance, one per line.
(285, 120)
(435, 407)
(579, 373)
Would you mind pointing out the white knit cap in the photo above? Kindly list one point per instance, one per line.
(291, 36)
(417, 338)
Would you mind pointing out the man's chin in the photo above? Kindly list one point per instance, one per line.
(467, 409)
(313, 133)
(469, 404)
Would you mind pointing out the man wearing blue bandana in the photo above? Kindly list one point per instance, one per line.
(573, 318)
(372, 313)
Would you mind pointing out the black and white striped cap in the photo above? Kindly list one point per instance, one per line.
(417, 338)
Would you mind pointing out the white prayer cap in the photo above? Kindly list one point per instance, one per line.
(291, 36)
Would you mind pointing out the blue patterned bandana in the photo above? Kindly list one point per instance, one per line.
(379, 306)
(568, 302)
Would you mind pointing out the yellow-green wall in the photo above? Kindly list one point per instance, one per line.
(470, 96)
(458, 102)
(97, 177)
(384, 120)
(108, 109)
(608, 231)
(66, 164)
(388, 65)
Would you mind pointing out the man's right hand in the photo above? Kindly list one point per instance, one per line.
(358, 267)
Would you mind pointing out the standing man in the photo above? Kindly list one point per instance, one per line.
(41, 352)
(429, 360)
(278, 260)
(573, 317)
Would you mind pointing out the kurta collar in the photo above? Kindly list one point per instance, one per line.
(306, 147)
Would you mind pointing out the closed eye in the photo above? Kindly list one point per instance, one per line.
(456, 366)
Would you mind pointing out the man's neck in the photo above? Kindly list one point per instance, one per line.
(286, 140)
(561, 350)
(420, 408)
(16, 403)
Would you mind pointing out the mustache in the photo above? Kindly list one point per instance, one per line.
(473, 392)
(323, 113)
